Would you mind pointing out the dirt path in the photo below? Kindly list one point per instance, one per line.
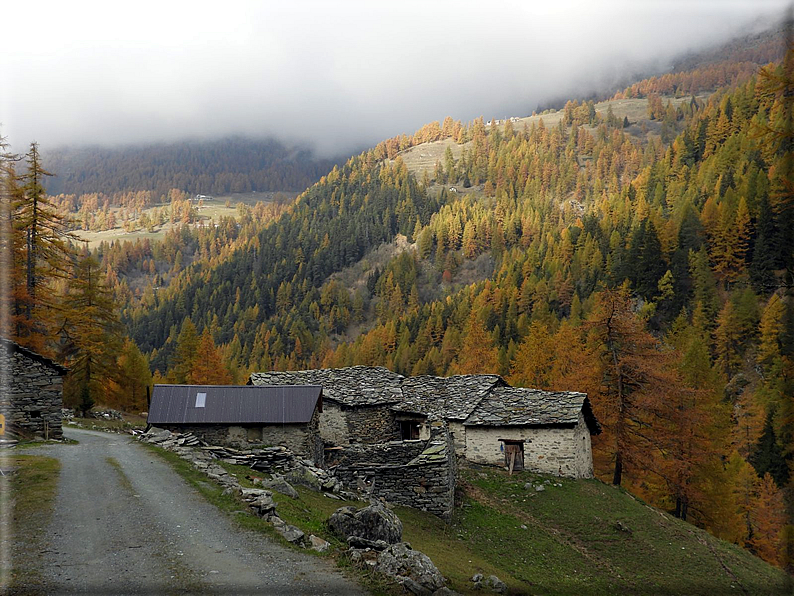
(125, 523)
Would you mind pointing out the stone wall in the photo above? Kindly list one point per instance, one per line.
(393, 452)
(427, 482)
(341, 424)
(32, 406)
(371, 424)
(562, 451)
(298, 438)
(584, 451)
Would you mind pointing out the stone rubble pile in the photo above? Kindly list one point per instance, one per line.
(105, 414)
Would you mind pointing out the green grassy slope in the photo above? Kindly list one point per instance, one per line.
(581, 537)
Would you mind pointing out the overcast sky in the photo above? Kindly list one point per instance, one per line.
(341, 75)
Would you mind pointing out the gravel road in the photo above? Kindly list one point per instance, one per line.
(126, 523)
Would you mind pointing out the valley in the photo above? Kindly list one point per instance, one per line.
(631, 247)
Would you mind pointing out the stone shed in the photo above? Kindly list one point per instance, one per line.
(243, 416)
(357, 401)
(32, 398)
(541, 431)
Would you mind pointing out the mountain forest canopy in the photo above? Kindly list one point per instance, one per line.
(646, 261)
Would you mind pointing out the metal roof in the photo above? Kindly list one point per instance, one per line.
(234, 404)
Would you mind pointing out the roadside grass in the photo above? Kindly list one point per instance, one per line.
(129, 422)
(123, 479)
(27, 496)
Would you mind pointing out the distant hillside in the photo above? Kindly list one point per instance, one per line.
(220, 167)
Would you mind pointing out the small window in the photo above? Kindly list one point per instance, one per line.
(200, 399)
(35, 414)
(409, 430)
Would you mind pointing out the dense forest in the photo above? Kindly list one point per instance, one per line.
(212, 167)
(654, 272)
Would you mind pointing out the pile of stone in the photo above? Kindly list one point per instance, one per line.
(167, 440)
(106, 414)
(67, 413)
(272, 458)
(374, 535)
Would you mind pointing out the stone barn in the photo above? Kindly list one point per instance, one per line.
(243, 416)
(32, 398)
(527, 429)
(357, 401)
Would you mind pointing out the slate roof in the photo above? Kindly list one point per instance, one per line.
(351, 386)
(12, 346)
(451, 398)
(516, 406)
(234, 404)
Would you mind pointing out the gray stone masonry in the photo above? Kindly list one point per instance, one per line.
(427, 482)
(32, 405)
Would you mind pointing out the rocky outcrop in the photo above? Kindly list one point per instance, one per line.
(374, 534)
(412, 568)
(372, 523)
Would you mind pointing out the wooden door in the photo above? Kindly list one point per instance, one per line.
(514, 455)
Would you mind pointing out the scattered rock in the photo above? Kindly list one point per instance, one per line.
(400, 562)
(416, 588)
(374, 522)
(540, 488)
(445, 591)
(289, 532)
(495, 584)
(318, 544)
(619, 525)
(358, 542)
(477, 577)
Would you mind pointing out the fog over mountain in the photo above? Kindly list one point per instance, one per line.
(338, 76)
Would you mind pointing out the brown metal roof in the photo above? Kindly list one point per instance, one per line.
(234, 404)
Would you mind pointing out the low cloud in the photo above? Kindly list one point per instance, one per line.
(336, 76)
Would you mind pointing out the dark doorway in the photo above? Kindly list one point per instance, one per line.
(514, 455)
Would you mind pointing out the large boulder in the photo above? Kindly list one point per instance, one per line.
(412, 568)
(280, 485)
(305, 476)
(374, 522)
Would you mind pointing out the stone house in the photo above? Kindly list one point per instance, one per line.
(488, 422)
(357, 401)
(243, 416)
(541, 431)
(33, 399)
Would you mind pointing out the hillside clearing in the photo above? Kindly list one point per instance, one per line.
(422, 158)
